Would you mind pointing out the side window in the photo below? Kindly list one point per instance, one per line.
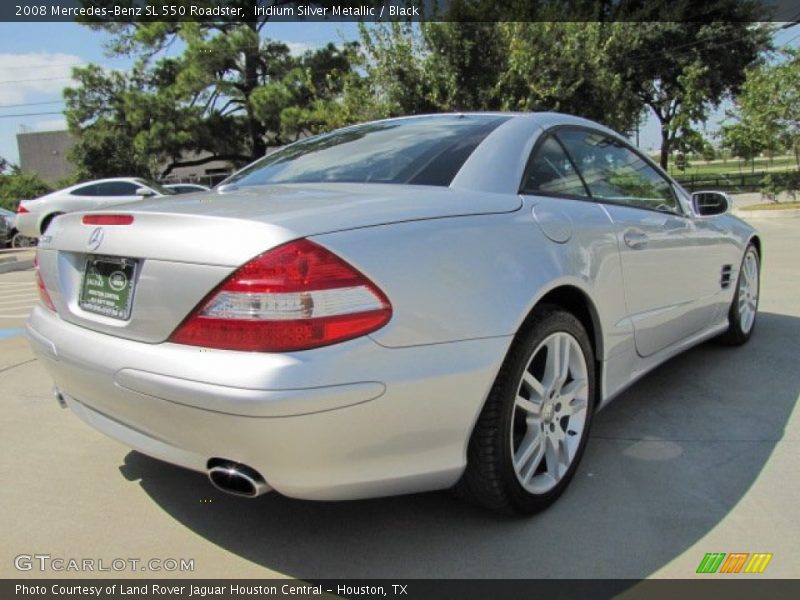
(87, 190)
(116, 188)
(550, 171)
(615, 173)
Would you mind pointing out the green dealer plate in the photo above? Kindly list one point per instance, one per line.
(107, 286)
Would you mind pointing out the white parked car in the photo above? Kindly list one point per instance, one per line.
(35, 216)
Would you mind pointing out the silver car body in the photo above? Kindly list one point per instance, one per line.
(72, 199)
(391, 412)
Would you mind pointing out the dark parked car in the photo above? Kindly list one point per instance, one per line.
(5, 228)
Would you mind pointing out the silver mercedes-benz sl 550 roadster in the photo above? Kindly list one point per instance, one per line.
(404, 305)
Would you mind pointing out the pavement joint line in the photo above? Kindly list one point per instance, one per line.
(8, 368)
(687, 440)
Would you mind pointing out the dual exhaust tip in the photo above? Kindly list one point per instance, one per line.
(236, 478)
(226, 475)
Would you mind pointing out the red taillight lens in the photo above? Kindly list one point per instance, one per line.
(44, 295)
(21, 209)
(107, 219)
(295, 297)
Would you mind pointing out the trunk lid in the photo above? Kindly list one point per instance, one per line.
(184, 246)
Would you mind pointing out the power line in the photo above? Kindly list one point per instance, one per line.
(789, 41)
(30, 104)
(47, 66)
(32, 80)
(30, 115)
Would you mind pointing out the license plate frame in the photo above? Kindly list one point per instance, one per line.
(108, 285)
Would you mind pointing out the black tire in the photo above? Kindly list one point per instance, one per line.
(736, 335)
(22, 241)
(490, 479)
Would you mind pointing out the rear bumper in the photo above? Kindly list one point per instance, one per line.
(28, 224)
(352, 420)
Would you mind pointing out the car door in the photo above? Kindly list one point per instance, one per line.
(664, 275)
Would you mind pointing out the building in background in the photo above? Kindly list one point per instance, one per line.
(45, 153)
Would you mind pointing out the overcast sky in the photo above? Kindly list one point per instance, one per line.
(36, 59)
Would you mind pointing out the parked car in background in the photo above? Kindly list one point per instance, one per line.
(187, 188)
(35, 216)
(14, 238)
(405, 305)
(5, 228)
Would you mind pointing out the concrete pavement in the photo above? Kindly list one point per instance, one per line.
(699, 456)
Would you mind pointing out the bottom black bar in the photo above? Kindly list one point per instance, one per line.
(750, 587)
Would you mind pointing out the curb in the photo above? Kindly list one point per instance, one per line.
(767, 214)
(10, 263)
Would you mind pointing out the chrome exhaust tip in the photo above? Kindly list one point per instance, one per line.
(237, 479)
(59, 397)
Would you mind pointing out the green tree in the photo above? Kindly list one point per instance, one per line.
(768, 107)
(683, 68)
(16, 185)
(743, 142)
(455, 66)
(565, 67)
(229, 95)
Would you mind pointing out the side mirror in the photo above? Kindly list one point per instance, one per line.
(144, 192)
(708, 204)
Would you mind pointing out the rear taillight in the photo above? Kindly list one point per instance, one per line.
(295, 297)
(44, 295)
(107, 219)
(21, 209)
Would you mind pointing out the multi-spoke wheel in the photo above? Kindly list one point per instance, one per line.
(532, 431)
(744, 308)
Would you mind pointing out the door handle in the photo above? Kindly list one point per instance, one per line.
(636, 240)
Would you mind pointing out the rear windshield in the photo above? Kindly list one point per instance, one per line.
(420, 151)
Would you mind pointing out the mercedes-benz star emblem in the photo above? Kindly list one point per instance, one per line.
(95, 239)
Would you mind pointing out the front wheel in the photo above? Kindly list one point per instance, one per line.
(744, 308)
(532, 431)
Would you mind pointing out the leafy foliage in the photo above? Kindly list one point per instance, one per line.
(16, 185)
(682, 69)
(474, 66)
(768, 107)
(229, 95)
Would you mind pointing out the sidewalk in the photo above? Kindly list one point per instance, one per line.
(16, 259)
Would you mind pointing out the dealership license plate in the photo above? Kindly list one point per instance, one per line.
(107, 286)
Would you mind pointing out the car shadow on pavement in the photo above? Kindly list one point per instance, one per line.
(666, 462)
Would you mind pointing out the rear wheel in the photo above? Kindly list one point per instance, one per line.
(22, 241)
(744, 308)
(533, 428)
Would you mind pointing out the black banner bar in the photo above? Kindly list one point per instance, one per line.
(748, 587)
(129, 11)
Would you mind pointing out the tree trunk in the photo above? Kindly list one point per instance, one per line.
(665, 146)
(255, 130)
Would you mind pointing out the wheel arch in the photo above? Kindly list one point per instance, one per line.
(578, 303)
(756, 241)
(45, 221)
